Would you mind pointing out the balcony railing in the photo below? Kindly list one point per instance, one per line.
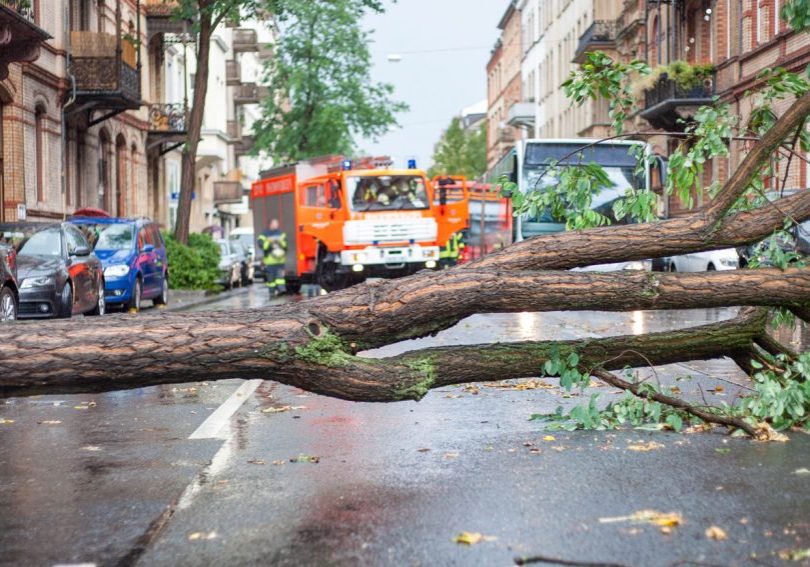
(227, 192)
(244, 145)
(233, 73)
(103, 71)
(250, 93)
(600, 35)
(245, 40)
(667, 103)
(169, 118)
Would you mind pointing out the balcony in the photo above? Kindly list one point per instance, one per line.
(227, 192)
(506, 136)
(521, 115)
(167, 126)
(630, 20)
(160, 18)
(668, 104)
(600, 35)
(20, 37)
(244, 145)
(233, 73)
(250, 93)
(245, 40)
(106, 70)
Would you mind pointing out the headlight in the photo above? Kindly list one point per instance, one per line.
(42, 281)
(116, 271)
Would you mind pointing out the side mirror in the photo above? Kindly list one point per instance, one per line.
(147, 248)
(80, 251)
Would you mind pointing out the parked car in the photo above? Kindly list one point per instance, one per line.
(58, 273)
(133, 254)
(726, 259)
(247, 238)
(9, 292)
(230, 265)
(247, 271)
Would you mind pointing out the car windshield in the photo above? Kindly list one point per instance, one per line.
(46, 242)
(621, 179)
(117, 236)
(388, 193)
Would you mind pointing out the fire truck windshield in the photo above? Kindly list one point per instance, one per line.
(388, 193)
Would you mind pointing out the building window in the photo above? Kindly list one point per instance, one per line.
(39, 144)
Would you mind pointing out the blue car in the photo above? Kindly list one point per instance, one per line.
(133, 254)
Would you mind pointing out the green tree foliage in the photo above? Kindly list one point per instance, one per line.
(460, 152)
(321, 92)
(193, 266)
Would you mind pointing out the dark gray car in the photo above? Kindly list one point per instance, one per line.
(58, 274)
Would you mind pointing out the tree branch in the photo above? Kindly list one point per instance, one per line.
(700, 413)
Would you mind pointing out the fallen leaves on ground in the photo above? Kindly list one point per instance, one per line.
(722, 450)
(85, 405)
(471, 389)
(5, 421)
(472, 538)
(528, 385)
(450, 455)
(549, 438)
(256, 462)
(767, 433)
(664, 520)
(716, 533)
(644, 447)
(197, 536)
(50, 422)
(92, 448)
(423, 450)
(277, 410)
(277, 463)
(795, 554)
(305, 459)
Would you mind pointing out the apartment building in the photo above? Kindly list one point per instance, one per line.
(504, 85)
(94, 100)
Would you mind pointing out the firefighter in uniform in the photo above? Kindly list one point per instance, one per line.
(274, 245)
(450, 252)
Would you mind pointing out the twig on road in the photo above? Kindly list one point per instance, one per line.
(557, 561)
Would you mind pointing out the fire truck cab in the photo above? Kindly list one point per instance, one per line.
(356, 220)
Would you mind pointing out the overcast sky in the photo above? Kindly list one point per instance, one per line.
(445, 46)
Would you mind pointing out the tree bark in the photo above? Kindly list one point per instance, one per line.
(188, 177)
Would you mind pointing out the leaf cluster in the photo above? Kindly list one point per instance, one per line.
(782, 393)
(194, 266)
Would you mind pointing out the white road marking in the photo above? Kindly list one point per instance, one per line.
(211, 427)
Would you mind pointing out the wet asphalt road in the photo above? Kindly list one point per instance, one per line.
(201, 474)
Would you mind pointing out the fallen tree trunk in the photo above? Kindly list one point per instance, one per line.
(314, 344)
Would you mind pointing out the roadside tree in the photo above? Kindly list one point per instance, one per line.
(461, 152)
(321, 92)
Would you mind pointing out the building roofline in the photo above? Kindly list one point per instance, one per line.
(511, 9)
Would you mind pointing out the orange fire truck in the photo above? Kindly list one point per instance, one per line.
(348, 220)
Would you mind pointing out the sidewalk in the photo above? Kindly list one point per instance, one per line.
(183, 299)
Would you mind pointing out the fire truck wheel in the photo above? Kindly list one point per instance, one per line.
(329, 278)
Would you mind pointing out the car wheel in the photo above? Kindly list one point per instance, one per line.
(711, 268)
(66, 302)
(163, 298)
(135, 302)
(8, 305)
(101, 302)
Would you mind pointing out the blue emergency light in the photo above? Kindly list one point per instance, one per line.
(411, 163)
(347, 164)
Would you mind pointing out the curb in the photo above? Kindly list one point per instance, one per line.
(206, 299)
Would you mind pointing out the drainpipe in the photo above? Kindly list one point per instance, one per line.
(71, 99)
